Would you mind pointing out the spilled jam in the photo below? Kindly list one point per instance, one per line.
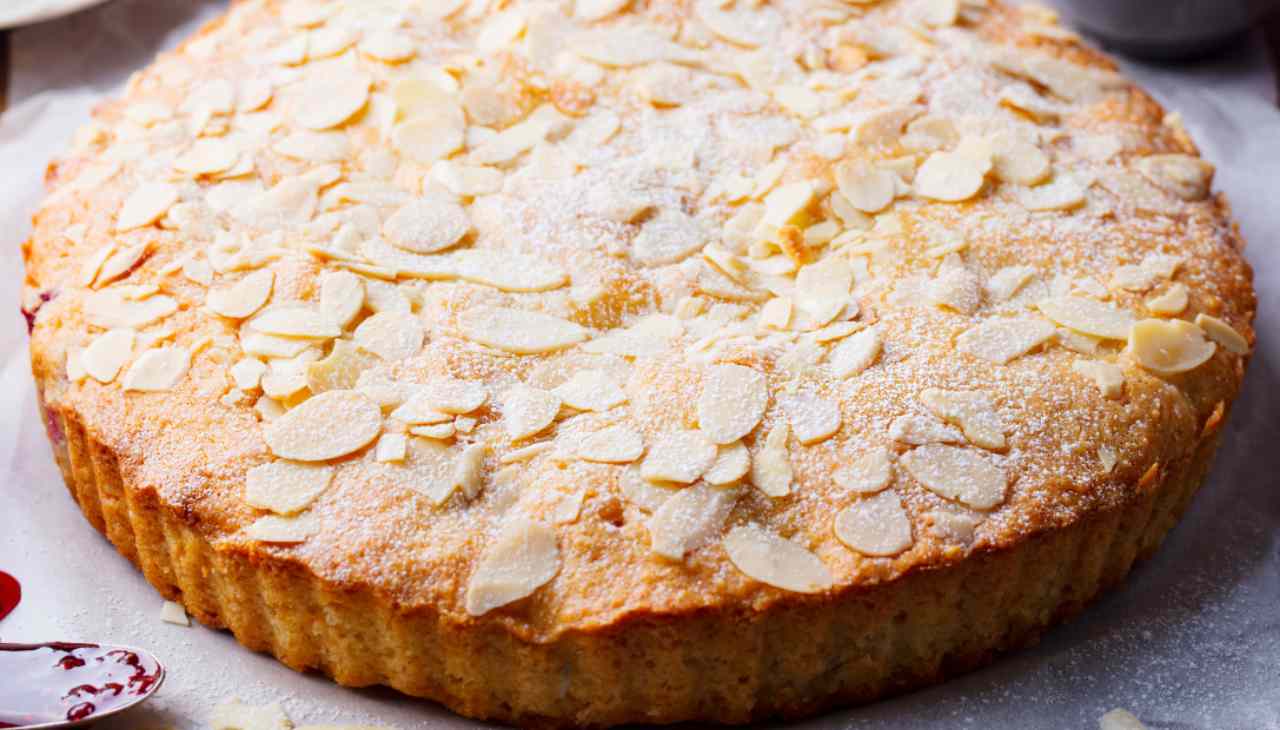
(65, 681)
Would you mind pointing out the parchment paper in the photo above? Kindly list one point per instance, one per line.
(1192, 640)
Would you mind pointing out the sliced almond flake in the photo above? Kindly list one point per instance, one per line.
(120, 262)
(388, 45)
(1003, 340)
(884, 126)
(822, 288)
(295, 322)
(1132, 278)
(206, 156)
(418, 410)
(651, 336)
(341, 296)
(812, 419)
(267, 409)
(771, 468)
(391, 335)
(110, 309)
(510, 143)
(243, 298)
(1008, 281)
(284, 385)
(878, 526)
(456, 396)
(678, 456)
(612, 445)
(198, 271)
(956, 473)
(521, 558)
(75, 365)
(776, 561)
(731, 464)
(285, 487)
(174, 613)
(937, 13)
(282, 530)
(427, 225)
(1223, 334)
(667, 238)
(145, 205)
(247, 373)
(507, 271)
(590, 390)
(527, 411)
(744, 24)
(956, 288)
(392, 447)
(732, 402)
(501, 30)
(625, 47)
(157, 369)
(1186, 176)
(232, 715)
(1169, 347)
(1018, 161)
(340, 370)
(775, 314)
(972, 411)
(593, 10)
(311, 146)
(1088, 316)
(785, 203)
(254, 94)
(466, 424)
(326, 101)
(104, 357)
(326, 426)
(92, 265)
(950, 177)
(870, 472)
(868, 188)
(430, 138)
(1108, 377)
(855, 353)
(467, 180)
(526, 453)
(519, 331)
(1062, 193)
(264, 345)
(468, 470)
(689, 519)
(913, 429)
(435, 431)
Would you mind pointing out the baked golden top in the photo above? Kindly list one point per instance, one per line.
(560, 312)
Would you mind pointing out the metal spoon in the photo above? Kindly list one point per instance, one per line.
(61, 684)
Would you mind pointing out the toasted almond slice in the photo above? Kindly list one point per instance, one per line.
(243, 298)
(392, 447)
(1017, 161)
(771, 468)
(822, 288)
(282, 530)
(956, 288)
(732, 402)
(591, 390)
(868, 473)
(645, 494)
(326, 426)
(340, 370)
(519, 331)
(972, 411)
(145, 205)
(157, 369)
(913, 429)
(775, 314)
(1187, 177)
(612, 445)
(430, 138)
(1008, 281)
(110, 309)
(1088, 316)
(75, 365)
(526, 453)
(468, 470)
(957, 473)
(119, 263)
(452, 395)
(667, 238)
(855, 353)
(314, 146)
(812, 419)
(507, 271)
(731, 464)
(388, 46)
(688, 519)
(1169, 347)
(678, 456)
(285, 487)
(294, 321)
(876, 526)
(521, 559)
(649, 337)
(786, 202)
(776, 561)
(593, 10)
(438, 432)
(327, 101)
(104, 357)
(868, 188)
(284, 386)
(206, 156)
(427, 225)
(1061, 193)
(418, 410)
(937, 13)
(527, 411)
(950, 177)
(1171, 303)
(391, 335)
(1002, 340)
(1108, 377)
(1223, 334)
(93, 265)
(341, 296)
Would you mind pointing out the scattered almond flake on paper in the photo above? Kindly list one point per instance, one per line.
(688, 519)
(521, 558)
(326, 426)
(1169, 347)
(284, 487)
(869, 472)
(678, 456)
(732, 402)
(776, 561)
(957, 473)
(174, 613)
(876, 525)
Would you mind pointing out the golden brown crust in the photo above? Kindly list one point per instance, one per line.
(385, 608)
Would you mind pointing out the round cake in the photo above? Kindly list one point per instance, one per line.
(587, 362)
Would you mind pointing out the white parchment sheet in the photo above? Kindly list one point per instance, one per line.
(1192, 640)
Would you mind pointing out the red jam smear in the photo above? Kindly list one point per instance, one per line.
(65, 681)
(10, 594)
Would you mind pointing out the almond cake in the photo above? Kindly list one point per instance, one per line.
(587, 362)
